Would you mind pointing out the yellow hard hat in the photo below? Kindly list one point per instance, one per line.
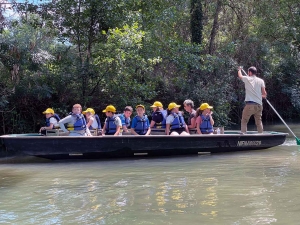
(205, 106)
(110, 108)
(49, 110)
(90, 110)
(173, 105)
(156, 104)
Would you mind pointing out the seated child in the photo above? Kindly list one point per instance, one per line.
(204, 121)
(51, 121)
(125, 118)
(92, 119)
(76, 123)
(112, 124)
(175, 124)
(140, 123)
(159, 116)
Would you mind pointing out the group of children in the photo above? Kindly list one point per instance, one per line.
(80, 123)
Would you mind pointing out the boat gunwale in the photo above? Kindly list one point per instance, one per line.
(35, 135)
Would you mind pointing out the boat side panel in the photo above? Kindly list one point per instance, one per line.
(128, 146)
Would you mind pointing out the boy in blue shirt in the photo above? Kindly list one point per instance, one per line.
(140, 123)
(125, 118)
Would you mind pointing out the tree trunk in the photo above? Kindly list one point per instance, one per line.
(215, 28)
(196, 21)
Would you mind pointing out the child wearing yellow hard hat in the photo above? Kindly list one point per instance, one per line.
(204, 121)
(175, 124)
(112, 124)
(51, 121)
(159, 115)
(92, 119)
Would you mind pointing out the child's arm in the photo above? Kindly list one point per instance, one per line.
(149, 128)
(91, 120)
(168, 129)
(152, 123)
(103, 130)
(187, 129)
(133, 125)
(211, 119)
(117, 131)
(62, 122)
(133, 131)
(193, 123)
(47, 128)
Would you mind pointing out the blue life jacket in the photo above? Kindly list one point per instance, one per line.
(98, 122)
(141, 126)
(55, 116)
(80, 123)
(178, 122)
(111, 126)
(159, 117)
(127, 120)
(206, 126)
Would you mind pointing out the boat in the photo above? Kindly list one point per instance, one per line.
(67, 147)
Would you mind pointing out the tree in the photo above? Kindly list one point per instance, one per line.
(196, 21)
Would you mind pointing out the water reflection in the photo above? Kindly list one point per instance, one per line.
(259, 187)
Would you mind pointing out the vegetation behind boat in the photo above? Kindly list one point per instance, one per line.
(159, 52)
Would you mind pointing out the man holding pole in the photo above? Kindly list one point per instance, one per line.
(255, 91)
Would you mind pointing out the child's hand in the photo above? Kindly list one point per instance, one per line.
(210, 113)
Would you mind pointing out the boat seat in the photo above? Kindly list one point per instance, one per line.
(59, 132)
(54, 132)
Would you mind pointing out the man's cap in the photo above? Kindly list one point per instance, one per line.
(205, 106)
(173, 105)
(89, 110)
(140, 106)
(49, 110)
(110, 108)
(156, 104)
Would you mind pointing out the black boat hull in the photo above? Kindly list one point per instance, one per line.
(64, 147)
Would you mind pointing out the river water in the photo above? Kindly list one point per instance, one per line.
(251, 187)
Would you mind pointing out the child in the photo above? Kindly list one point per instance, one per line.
(112, 124)
(125, 118)
(76, 123)
(51, 121)
(140, 123)
(175, 124)
(204, 121)
(92, 119)
(158, 116)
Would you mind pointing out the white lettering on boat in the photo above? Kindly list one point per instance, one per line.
(248, 143)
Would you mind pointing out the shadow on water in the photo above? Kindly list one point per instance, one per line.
(13, 157)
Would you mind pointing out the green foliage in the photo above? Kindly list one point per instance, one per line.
(127, 74)
(127, 52)
(196, 21)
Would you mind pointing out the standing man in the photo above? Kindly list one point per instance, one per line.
(255, 91)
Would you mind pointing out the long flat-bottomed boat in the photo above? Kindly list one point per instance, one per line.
(68, 147)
